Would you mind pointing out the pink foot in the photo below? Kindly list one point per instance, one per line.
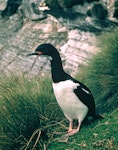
(72, 132)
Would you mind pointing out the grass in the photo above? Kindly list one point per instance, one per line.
(101, 75)
(28, 111)
(100, 135)
(30, 118)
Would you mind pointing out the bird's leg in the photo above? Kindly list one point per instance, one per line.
(70, 126)
(72, 131)
(78, 128)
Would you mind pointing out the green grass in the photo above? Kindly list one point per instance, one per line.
(100, 135)
(30, 118)
(101, 75)
(28, 109)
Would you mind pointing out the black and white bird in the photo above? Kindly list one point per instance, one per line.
(74, 98)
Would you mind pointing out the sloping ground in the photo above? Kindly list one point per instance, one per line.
(76, 44)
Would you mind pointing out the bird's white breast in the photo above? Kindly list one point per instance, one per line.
(68, 101)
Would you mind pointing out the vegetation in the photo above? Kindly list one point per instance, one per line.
(116, 9)
(30, 118)
(58, 4)
(11, 7)
(28, 111)
(101, 75)
(98, 11)
(100, 135)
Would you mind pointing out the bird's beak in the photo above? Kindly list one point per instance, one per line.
(35, 53)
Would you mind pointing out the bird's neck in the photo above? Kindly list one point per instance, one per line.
(57, 71)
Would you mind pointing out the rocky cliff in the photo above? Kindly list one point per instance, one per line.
(70, 31)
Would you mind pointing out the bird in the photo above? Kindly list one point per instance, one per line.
(74, 98)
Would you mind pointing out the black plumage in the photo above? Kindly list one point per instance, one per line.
(74, 98)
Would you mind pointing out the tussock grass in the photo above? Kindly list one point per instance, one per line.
(30, 119)
(101, 75)
(29, 113)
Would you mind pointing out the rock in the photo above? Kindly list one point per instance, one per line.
(29, 9)
(79, 48)
(74, 38)
(50, 27)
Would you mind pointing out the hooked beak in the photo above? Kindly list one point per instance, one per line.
(35, 53)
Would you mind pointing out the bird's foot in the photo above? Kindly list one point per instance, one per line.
(72, 132)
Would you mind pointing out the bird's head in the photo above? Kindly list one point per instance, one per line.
(45, 49)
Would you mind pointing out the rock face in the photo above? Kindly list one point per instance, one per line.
(29, 9)
(19, 38)
(69, 31)
(79, 48)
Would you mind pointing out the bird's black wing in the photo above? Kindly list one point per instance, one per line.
(84, 94)
(86, 97)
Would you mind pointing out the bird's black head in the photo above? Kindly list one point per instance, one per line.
(45, 49)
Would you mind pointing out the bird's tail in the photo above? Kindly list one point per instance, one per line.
(98, 117)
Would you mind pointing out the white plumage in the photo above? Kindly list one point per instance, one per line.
(74, 98)
(71, 106)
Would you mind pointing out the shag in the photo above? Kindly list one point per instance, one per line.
(73, 97)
